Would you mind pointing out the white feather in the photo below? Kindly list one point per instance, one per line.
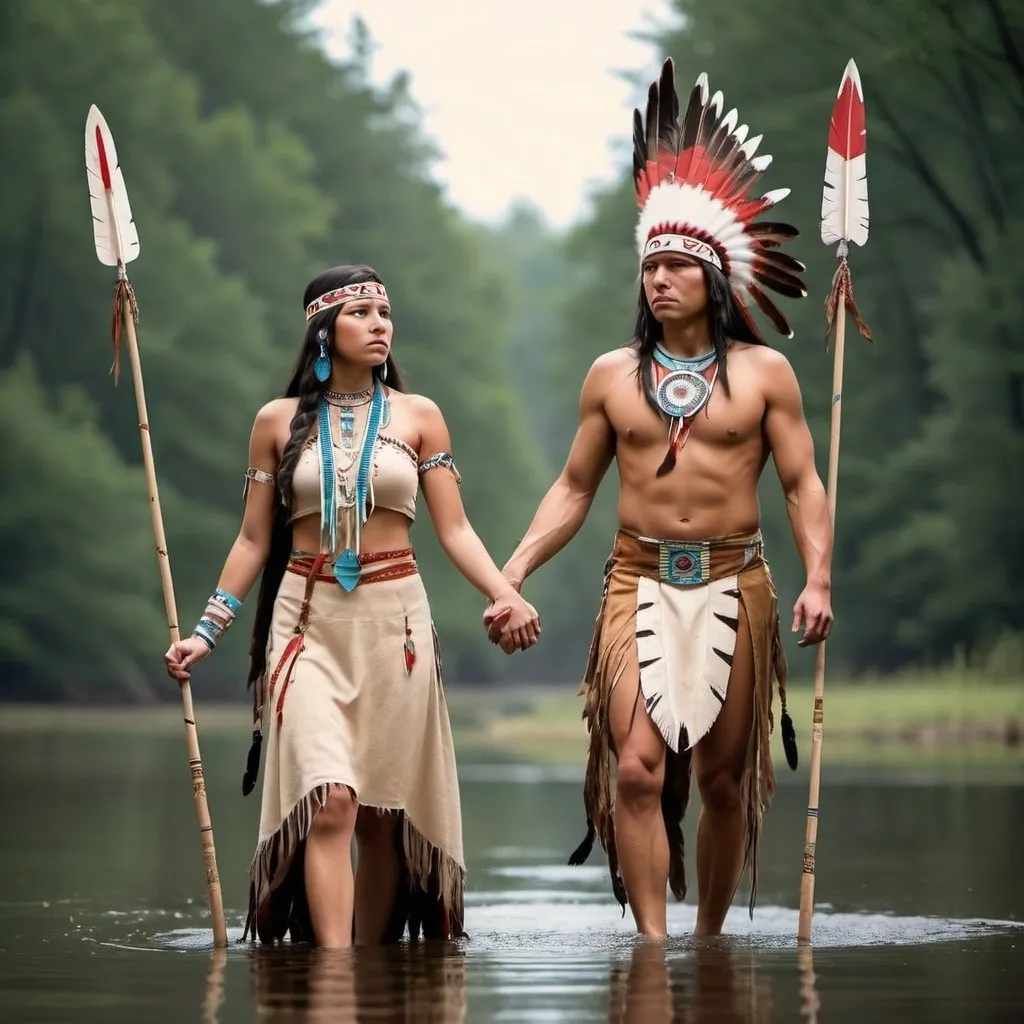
(671, 203)
(844, 201)
(114, 231)
(750, 146)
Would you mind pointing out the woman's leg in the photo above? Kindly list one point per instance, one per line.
(377, 874)
(328, 869)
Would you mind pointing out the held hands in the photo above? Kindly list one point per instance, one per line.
(180, 657)
(512, 622)
(813, 611)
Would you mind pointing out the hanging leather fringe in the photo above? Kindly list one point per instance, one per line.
(842, 287)
(124, 302)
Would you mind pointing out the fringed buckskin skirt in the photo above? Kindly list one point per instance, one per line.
(676, 605)
(355, 698)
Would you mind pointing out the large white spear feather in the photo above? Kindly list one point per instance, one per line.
(844, 202)
(117, 240)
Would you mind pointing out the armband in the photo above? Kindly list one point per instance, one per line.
(259, 476)
(440, 459)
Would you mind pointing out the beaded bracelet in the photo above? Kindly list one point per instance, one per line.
(216, 620)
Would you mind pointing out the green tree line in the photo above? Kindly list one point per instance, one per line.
(253, 161)
(929, 551)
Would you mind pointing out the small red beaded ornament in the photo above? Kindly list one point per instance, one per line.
(409, 648)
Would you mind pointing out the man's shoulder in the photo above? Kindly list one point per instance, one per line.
(617, 359)
(769, 364)
(763, 356)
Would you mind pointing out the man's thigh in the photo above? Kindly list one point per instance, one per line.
(724, 747)
(634, 735)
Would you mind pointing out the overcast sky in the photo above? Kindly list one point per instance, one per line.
(521, 96)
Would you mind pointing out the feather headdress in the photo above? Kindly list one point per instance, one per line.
(693, 178)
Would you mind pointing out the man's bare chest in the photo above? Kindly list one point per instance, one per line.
(725, 421)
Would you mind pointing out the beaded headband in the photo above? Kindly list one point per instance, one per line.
(351, 292)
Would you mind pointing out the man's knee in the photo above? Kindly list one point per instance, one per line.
(338, 815)
(719, 790)
(639, 778)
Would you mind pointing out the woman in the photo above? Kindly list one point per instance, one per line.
(344, 654)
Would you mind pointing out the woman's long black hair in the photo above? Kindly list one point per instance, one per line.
(304, 386)
(726, 323)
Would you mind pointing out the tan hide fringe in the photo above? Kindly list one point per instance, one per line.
(430, 867)
(274, 855)
(606, 663)
(426, 867)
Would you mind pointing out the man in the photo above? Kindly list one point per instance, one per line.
(686, 644)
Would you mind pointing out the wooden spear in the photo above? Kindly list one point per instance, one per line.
(117, 244)
(844, 219)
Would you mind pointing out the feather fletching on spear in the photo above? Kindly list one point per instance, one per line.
(844, 204)
(114, 231)
(844, 201)
(117, 240)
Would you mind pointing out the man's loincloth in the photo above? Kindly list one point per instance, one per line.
(676, 605)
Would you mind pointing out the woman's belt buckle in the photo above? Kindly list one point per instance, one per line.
(682, 564)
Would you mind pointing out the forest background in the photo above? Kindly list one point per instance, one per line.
(251, 166)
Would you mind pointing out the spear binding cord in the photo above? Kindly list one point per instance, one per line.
(117, 243)
(842, 291)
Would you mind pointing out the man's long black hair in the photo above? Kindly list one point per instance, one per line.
(726, 323)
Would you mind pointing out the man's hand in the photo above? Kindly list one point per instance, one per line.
(495, 619)
(813, 611)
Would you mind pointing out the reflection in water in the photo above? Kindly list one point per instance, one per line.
(809, 1002)
(214, 993)
(708, 981)
(422, 981)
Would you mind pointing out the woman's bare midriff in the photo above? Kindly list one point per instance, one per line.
(385, 530)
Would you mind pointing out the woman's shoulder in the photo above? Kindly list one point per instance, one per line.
(417, 405)
(276, 410)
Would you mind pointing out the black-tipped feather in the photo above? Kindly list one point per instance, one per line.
(772, 229)
(770, 310)
(639, 146)
(779, 280)
(783, 261)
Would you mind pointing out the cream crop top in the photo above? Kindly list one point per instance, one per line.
(395, 479)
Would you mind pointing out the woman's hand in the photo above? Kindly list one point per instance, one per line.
(512, 622)
(180, 657)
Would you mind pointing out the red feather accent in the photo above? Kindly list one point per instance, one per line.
(104, 163)
(847, 133)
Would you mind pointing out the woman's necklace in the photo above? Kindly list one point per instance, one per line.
(335, 479)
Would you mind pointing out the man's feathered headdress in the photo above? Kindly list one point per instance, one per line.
(692, 181)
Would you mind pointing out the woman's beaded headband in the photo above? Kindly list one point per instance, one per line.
(339, 296)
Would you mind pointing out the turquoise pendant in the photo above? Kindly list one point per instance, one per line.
(346, 570)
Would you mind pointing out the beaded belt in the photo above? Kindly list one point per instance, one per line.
(689, 563)
(319, 568)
